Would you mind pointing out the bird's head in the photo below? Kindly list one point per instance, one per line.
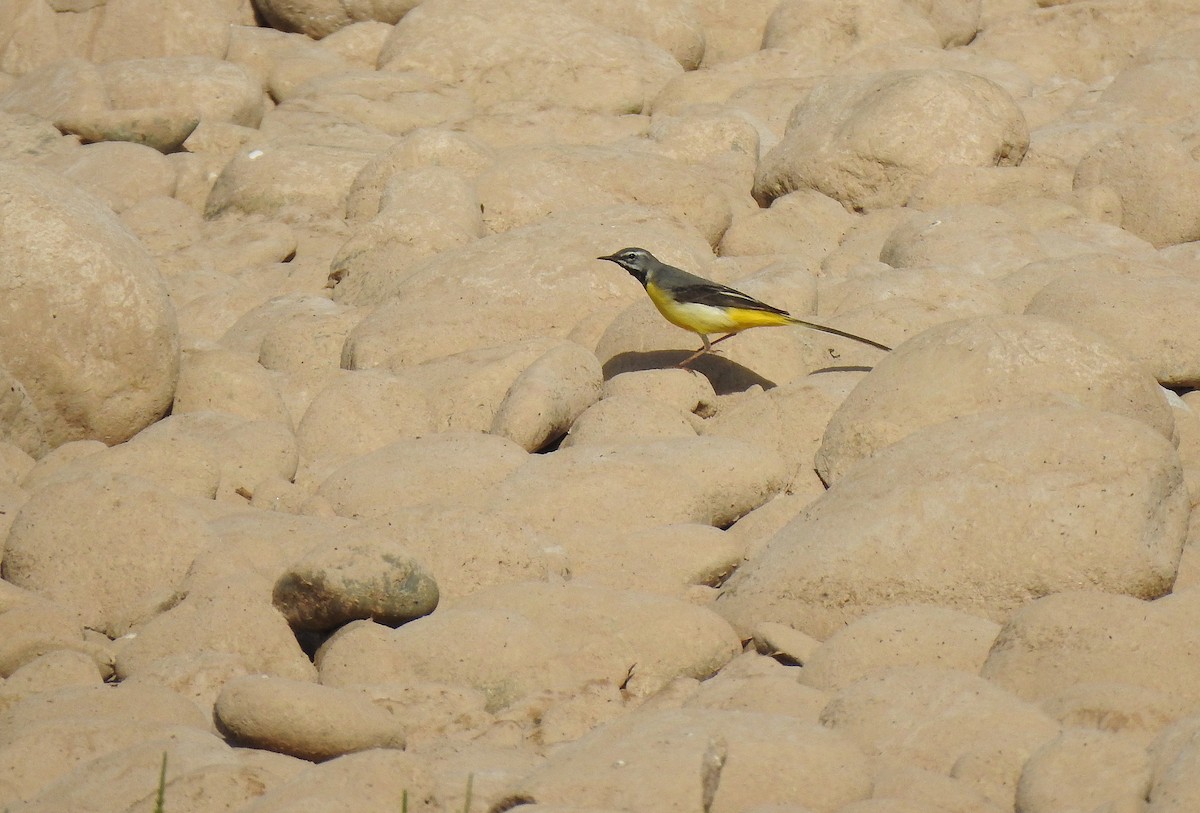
(637, 261)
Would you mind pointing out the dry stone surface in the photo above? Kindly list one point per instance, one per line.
(303, 719)
(529, 636)
(499, 52)
(1114, 305)
(90, 334)
(336, 467)
(977, 365)
(942, 720)
(859, 138)
(333, 585)
(113, 548)
(972, 547)
(693, 759)
(1033, 658)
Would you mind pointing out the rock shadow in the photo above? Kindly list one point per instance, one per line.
(725, 376)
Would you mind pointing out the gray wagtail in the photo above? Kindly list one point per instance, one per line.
(702, 306)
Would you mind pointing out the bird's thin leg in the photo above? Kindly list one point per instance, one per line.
(706, 348)
(723, 338)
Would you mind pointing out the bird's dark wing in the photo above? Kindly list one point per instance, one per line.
(721, 296)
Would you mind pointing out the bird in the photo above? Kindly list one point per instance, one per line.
(703, 306)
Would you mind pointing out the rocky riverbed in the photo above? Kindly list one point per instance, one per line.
(337, 469)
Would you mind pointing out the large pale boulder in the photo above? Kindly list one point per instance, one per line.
(525, 185)
(132, 29)
(47, 759)
(114, 548)
(541, 53)
(629, 419)
(546, 398)
(1139, 712)
(275, 176)
(465, 548)
(90, 333)
(528, 392)
(709, 480)
(1073, 638)
(234, 617)
(118, 780)
(991, 186)
(976, 365)
(918, 790)
(899, 306)
(911, 635)
(668, 559)
(940, 720)
(303, 719)
(421, 212)
(867, 140)
(265, 544)
(703, 759)
(82, 100)
(1084, 770)
(732, 28)
(58, 669)
(536, 281)
(62, 88)
(415, 471)
(37, 627)
(1021, 286)
(300, 343)
(802, 222)
(512, 640)
(518, 125)
(423, 148)
(229, 382)
(233, 785)
(32, 39)
(212, 90)
(393, 102)
(831, 29)
(1155, 176)
(759, 683)
(161, 454)
(765, 83)
(673, 25)
(1159, 88)
(371, 780)
(246, 451)
(1116, 305)
(119, 173)
(38, 34)
(981, 240)
(1104, 35)
(20, 421)
(790, 419)
(1015, 504)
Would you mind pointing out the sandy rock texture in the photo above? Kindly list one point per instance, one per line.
(93, 342)
(338, 471)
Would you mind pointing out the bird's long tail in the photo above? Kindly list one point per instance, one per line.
(836, 332)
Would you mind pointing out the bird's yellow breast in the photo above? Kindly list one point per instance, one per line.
(705, 319)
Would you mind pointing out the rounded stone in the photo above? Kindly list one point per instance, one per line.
(86, 323)
(345, 581)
